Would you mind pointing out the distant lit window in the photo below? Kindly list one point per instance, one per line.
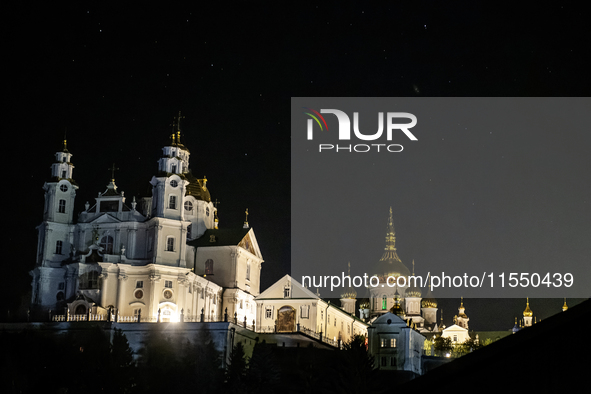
(62, 206)
(58, 247)
(384, 303)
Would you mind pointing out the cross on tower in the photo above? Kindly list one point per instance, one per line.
(215, 203)
(113, 168)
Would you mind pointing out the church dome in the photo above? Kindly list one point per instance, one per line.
(413, 291)
(527, 312)
(390, 264)
(429, 301)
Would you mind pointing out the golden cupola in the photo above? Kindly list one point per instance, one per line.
(527, 312)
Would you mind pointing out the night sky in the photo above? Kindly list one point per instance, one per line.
(114, 77)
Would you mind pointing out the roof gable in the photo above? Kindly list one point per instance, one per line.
(243, 237)
(297, 290)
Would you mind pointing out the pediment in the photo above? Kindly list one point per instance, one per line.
(277, 290)
(249, 243)
(106, 218)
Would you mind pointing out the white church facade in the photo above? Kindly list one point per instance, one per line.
(161, 259)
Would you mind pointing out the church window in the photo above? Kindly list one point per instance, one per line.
(392, 342)
(209, 267)
(59, 296)
(202, 293)
(384, 363)
(305, 311)
(392, 361)
(335, 321)
(174, 183)
(455, 338)
(286, 292)
(188, 206)
(268, 312)
(170, 244)
(89, 280)
(61, 286)
(172, 202)
(241, 304)
(384, 303)
(62, 206)
(173, 168)
(189, 228)
(248, 270)
(64, 159)
(63, 173)
(139, 284)
(107, 244)
(206, 211)
(64, 188)
(58, 247)
(348, 329)
(168, 284)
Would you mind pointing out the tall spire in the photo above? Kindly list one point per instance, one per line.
(390, 249)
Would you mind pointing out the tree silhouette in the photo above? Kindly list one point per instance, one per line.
(236, 370)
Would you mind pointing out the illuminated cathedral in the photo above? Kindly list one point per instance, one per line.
(158, 258)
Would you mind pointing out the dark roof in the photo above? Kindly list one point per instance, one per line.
(221, 237)
(544, 358)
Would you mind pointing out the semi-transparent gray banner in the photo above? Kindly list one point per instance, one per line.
(478, 197)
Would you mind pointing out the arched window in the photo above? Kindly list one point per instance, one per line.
(209, 267)
(170, 244)
(107, 244)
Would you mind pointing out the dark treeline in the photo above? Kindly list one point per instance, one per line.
(88, 361)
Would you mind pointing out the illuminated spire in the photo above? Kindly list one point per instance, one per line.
(350, 292)
(390, 249)
(527, 312)
(564, 307)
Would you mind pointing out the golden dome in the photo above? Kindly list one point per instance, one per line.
(527, 312)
